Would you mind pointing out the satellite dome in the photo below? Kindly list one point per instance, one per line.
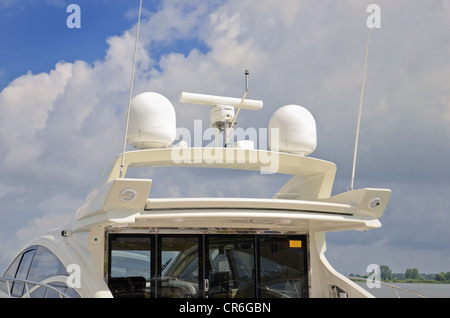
(152, 121)
(296, 129)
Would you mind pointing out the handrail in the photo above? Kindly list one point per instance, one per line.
(392, 286)
(9, 280)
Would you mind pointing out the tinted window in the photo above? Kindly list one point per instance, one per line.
(231, 266)
(37, 264)
(45, 265)
(22, 273)
(179, 270)
(236, 266)
(283, 267)
(130, 257)
(10, 273)
(130, 266)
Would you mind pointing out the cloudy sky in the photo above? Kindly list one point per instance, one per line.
(64, 92)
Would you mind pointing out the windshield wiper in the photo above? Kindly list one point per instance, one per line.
(166, 263)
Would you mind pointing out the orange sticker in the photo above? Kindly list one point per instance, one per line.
(296, 244)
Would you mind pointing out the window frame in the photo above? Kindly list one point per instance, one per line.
(204, 264)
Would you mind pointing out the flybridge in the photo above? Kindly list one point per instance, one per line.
(292, 137)
(308, 191)
(303, 202)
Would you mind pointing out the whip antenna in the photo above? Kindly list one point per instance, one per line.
(359, 112)
(131, 91)
(246, 73)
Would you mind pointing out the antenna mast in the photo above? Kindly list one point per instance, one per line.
(131, 91)
(246, 73)
(359, 112)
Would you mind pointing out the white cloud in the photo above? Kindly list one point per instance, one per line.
(8, 189)
(25, 105)
(58, 210)
(174, 20)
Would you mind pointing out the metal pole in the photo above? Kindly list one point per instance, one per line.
(131, 92)
(359, 112)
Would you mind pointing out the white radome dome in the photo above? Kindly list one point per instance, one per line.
(296, 129)
(152, 121)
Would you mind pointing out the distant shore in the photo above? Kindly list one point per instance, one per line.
(384, 274)
(409, 280)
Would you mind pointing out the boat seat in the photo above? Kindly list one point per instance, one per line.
(127, 287)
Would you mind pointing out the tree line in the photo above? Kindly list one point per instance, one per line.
(411, 275)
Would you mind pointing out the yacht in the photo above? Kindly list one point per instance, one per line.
(125, 243)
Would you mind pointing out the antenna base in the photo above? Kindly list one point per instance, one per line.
(221, 115)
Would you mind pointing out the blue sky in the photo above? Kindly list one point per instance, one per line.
(38, 31)
(63, 93)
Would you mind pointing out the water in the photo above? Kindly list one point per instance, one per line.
(429, 290)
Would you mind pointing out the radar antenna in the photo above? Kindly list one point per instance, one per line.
(222, 114)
